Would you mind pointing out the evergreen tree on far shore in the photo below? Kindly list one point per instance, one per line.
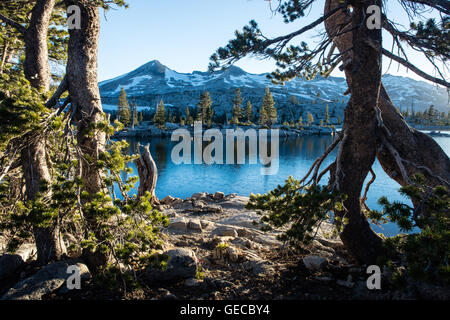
(249, 111)
(263, 118)
(310, 118)
(124, 112)
(189, 120)
(268, 106)
(327, 115)
(160, 116)
(236, 111)
(205, 112)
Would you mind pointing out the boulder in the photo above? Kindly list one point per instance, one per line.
(168, 200)
(47, 280)
(242, 232)
(195, 225)
(313, 262)
(199, 204)
(179, 224)
(267, 240)
(206, 224)
(225, 231)
(182, 264)
(170, 213)
(9, 263)
(199, 196)
(27, 251)
(213, 208)
(233, 254)
(258, 266)
(183, 206)
(262, 268)
(241, 218)
(234, 202)
(192, 282)
(218, 195)
(177, 201)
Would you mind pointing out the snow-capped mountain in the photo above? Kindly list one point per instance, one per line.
(407, 92)
(154, 81)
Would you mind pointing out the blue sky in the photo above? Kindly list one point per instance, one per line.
(182, 34)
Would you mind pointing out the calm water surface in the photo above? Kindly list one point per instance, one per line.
(296, 155)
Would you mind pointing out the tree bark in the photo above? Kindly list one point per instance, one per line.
(5, 54)
(409, 143)
(34, 157)
(358, 147)
(84, 93)
(86, 106)
(36, 65)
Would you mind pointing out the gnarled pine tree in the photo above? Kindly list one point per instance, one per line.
(372, 126)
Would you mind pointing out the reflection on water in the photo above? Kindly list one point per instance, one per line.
(296, 155)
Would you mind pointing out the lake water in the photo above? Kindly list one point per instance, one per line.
(296, 155)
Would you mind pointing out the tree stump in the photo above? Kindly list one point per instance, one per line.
(148, 173)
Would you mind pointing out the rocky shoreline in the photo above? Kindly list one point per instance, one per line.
(217, 251)
(147, 131)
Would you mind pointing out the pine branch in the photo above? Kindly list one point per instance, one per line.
(416, 43)
(414, 69)
(312, 25)
(440, 5)
(20, 28)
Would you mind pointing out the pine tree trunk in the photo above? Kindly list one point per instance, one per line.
(409, 142)
(84, 92)
(358, 147)
(34, 157)
(36, 66)
(85, 101)
(36, 172)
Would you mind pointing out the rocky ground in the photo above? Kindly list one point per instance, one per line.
(217, 251)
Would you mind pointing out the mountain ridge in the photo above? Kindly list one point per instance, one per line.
(153, 81)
